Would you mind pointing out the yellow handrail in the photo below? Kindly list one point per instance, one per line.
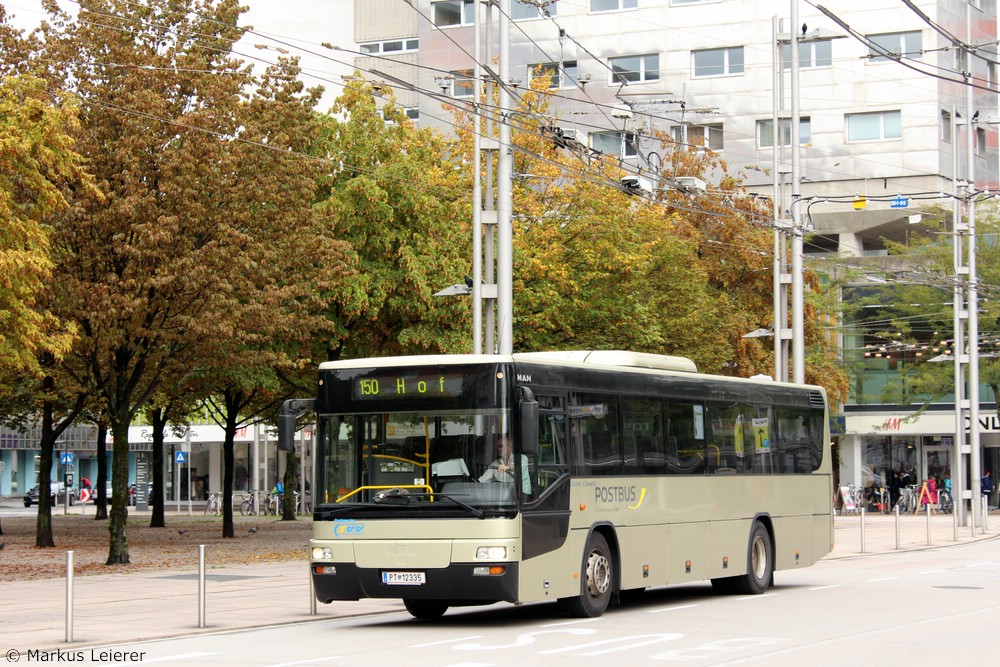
(390, 486)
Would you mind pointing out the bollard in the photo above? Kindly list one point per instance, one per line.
(312, 590)
(986, 512)
(897, 525)
(954, 521)
(201, 585)
(69, 597)
(928, 506)
(862, 530)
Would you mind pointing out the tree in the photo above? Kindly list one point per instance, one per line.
(399, 199)
(157, 266)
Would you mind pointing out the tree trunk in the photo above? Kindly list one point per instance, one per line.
(233, 399)
(118, 540)
(43, 524)
(101, 490)
(158, 420)
(290, 479)
(157, 519)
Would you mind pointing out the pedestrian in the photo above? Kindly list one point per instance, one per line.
(986, 485)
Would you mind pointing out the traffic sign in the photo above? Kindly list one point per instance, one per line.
(66, 458)
(180, 457)
(899, 202)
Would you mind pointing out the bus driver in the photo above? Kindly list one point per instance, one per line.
(503, 470)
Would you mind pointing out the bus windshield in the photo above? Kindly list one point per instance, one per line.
(430, 459)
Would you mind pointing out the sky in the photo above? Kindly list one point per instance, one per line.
(298, 26)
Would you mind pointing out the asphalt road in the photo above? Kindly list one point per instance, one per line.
(929, 607)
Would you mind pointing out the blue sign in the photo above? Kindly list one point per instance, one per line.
(66, 458)
(899, 202)
(180, 457)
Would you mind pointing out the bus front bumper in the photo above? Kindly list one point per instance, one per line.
(456, 583)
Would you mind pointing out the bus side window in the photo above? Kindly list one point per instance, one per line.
(551, 461)
(685, 437)
(642, 425)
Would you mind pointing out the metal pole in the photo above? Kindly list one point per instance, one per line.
(69, 596)
(505, 174)
(490, 218)
(312, 587)
(897, 525)
(188, 457)
(798, 308)
(972, 300)
(477, 196)
(201, 585)
(928, 512)
(780, 372)
(862, 529)
(958, 305)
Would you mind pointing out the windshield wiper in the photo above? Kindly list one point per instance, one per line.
(474, 511)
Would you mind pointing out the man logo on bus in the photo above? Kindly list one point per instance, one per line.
(342, 527)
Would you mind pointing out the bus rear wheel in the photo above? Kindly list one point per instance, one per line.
(598, 581)
(427, 610)
(760, 563)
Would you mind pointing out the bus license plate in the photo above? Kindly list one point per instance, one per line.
(404, 578)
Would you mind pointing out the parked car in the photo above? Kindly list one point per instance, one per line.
(57, 494)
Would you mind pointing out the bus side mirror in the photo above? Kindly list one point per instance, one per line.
(529, 427)
(290, 411)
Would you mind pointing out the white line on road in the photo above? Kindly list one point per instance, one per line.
(166, 658)
(823, 588)
(683, 606)
(562, 623)
(311, 661)
(875, 581)
(447, 641)
(758, 597)
(932, 571)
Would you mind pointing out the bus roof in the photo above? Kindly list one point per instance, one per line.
(615, 358)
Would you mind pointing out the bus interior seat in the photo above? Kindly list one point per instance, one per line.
(449, 471)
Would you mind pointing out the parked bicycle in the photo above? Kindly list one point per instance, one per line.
(214, 504)
(249, 504)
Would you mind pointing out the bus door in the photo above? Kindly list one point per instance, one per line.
(545, 517)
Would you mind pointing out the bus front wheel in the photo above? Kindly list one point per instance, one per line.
(427, 610)
(598, 581)
(760, 563)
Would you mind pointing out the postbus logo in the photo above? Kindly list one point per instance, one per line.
(347, 528)
(634, 496)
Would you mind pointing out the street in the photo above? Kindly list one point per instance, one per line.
(918, 607)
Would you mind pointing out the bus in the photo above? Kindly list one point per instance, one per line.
(627, 471)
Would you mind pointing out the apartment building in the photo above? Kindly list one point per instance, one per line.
(883, 107)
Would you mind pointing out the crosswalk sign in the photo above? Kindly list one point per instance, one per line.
(180, 457)
(66, 458)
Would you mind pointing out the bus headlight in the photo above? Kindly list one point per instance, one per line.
(491, 553)
(322, 553)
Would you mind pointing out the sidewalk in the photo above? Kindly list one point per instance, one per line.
(124, 608)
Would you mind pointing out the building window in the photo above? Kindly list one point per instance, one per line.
(413, 113)
(453, 12)
(558, 77)
(898, 44)
(519, 9)
(391, 46)
(463, 83)
(945, 126)
(765, 132)
(815, 53)
(874, 126)
(635, 68)
(614, 143)
(980, 141)
(612, 5)
(991, 75)
(717, 62)
(694, 137)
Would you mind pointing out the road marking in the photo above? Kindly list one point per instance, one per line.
(875, 581)
(166, 658)
(980, 564)
(447, 641)
(823, 588)
(932, 572)
(683, 606)
(308, 662)
(577, 622)
(758, 597)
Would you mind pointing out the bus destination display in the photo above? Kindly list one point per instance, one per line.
(407, 386)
